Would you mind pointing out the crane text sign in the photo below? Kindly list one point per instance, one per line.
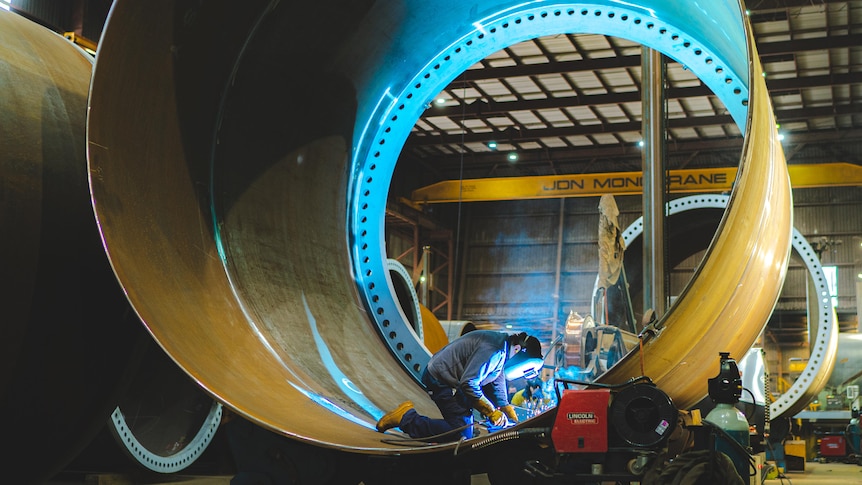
(692, 182)
(621, 183)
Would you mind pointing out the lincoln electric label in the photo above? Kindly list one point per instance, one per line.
(582, 418)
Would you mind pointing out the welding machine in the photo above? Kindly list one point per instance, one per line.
(608, 432)
(832, 446)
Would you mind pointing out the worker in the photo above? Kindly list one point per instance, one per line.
(530, 394)
(464, 375)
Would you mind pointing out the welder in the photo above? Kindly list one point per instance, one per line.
(466, 374)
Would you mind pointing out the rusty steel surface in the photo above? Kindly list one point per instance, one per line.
(239, 176)
(68, 335)
(44, 96)
(729, 300)
(820, 367)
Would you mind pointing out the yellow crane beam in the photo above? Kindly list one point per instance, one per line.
(85, 43)
(621, 183)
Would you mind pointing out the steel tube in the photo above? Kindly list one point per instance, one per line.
(654, 181)
(240, 160)
(689, 238)
(68, 333)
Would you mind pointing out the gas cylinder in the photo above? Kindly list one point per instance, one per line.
(854, 433)
(731, 420)
(725, 390)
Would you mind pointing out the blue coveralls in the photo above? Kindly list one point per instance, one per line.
(456, 377)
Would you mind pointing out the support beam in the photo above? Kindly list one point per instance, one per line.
(622, 183)
(654, 181)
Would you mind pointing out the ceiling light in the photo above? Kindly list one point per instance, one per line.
(781, 137)
(641, 143)
(492, 145)
(440, 101)
(512, 156)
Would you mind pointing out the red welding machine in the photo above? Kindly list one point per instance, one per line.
(607, 432)
(833, 446)
(582, 422)
(592, 420)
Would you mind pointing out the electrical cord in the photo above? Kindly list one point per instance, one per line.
(749, 416)
(427, 440)
(500, 437)
(632, 381)
(491, 439)
(781, 475)
(734, 444)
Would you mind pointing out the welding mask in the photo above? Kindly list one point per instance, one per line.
(528, 362)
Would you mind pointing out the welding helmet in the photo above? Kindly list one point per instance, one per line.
(526, 363)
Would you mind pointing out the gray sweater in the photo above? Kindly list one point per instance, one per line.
(472, 362)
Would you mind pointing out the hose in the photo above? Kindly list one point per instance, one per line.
(733, 443)
(633, 380)
(510, 435)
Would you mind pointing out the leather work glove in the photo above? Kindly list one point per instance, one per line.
(497, 418)
(510, 413)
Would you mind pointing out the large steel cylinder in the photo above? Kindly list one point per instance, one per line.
(692, 221)
(69, 335)
(240, 161)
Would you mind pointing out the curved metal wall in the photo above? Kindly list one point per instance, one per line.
(69, 337)
(240, 161)
(824, 347)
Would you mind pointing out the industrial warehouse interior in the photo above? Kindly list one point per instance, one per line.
(238, 235)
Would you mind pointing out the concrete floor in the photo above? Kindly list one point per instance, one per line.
(821, 474)
(814, 474)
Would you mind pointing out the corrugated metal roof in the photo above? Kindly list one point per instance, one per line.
(570, 98)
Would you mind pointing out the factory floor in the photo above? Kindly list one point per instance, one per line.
(814, 474)
(821, 474)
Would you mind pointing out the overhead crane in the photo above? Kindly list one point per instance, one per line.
(690, 181)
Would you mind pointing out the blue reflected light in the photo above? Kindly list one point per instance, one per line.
(344, 383)
(326, 403)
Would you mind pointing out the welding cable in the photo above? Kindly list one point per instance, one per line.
(749, 416)
(651, 328)
(503, 436)
(734, 444)
(781, 476)
(641, 353)
(426, 440)
(632, 381)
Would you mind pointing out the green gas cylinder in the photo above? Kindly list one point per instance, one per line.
(733, 422)
(725, 390)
